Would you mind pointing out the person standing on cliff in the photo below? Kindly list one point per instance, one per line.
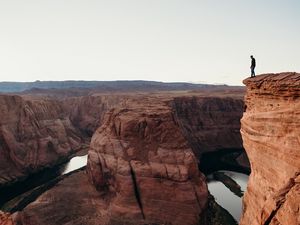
(252, 67)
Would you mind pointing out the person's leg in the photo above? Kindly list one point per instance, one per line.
(252, 72)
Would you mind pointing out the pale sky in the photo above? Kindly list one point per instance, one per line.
(164, 40)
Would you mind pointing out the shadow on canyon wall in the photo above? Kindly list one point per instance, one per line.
(209, 121)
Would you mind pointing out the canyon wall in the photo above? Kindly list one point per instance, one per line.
(212, 127)
(38, 132)
(142, 166)
(87, 112)
(33, 134)
(140, 160)
(210, 123)
(270, 131)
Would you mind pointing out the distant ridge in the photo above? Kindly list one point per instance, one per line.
(137, 85)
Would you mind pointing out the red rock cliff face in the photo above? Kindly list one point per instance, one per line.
(271, 131)
(210, 123)
(140, 161)
(145, 168)
(87, 112)
(33, 134)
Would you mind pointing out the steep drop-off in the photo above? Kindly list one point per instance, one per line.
(141, 161)
(39, 132)
(87, 112)
(142, 166)
(212, 127)
(210, 123)
(33, 134)
(270, 131)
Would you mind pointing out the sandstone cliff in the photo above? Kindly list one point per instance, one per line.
(142, 163)
(87, 112)
(33, 134)
(28, 122)
(270, 131)
(210, 123)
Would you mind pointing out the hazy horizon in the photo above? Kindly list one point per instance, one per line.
(171, 41)
(189, 82)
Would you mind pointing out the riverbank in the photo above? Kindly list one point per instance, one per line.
(228, 190)
(226, 187)
(11, 191)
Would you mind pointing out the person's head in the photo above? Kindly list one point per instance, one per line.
(251, 56)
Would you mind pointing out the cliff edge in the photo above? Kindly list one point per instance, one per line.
(270, 130)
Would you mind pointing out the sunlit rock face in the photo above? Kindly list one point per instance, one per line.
(140, 160)
(270, 131)
(34, 133)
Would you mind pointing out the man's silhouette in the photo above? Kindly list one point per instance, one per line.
(252, 67)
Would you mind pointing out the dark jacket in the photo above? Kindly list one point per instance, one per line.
(253, 63)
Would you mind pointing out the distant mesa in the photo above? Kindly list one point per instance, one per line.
(125, 85)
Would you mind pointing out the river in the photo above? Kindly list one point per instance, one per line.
(75, 163)
(224, 197)
(40, 178)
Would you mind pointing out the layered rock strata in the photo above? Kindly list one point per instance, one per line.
(28, 122)
(210, 123)
(141, 162)
(33, 134)
(212, 127)
(87, 112)
(270, 131)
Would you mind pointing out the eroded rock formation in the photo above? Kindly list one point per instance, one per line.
(87, 112)
(142, 168)
(142, 163)
(271, 131)
(38, 132)
(210, 123)
(33, 134)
